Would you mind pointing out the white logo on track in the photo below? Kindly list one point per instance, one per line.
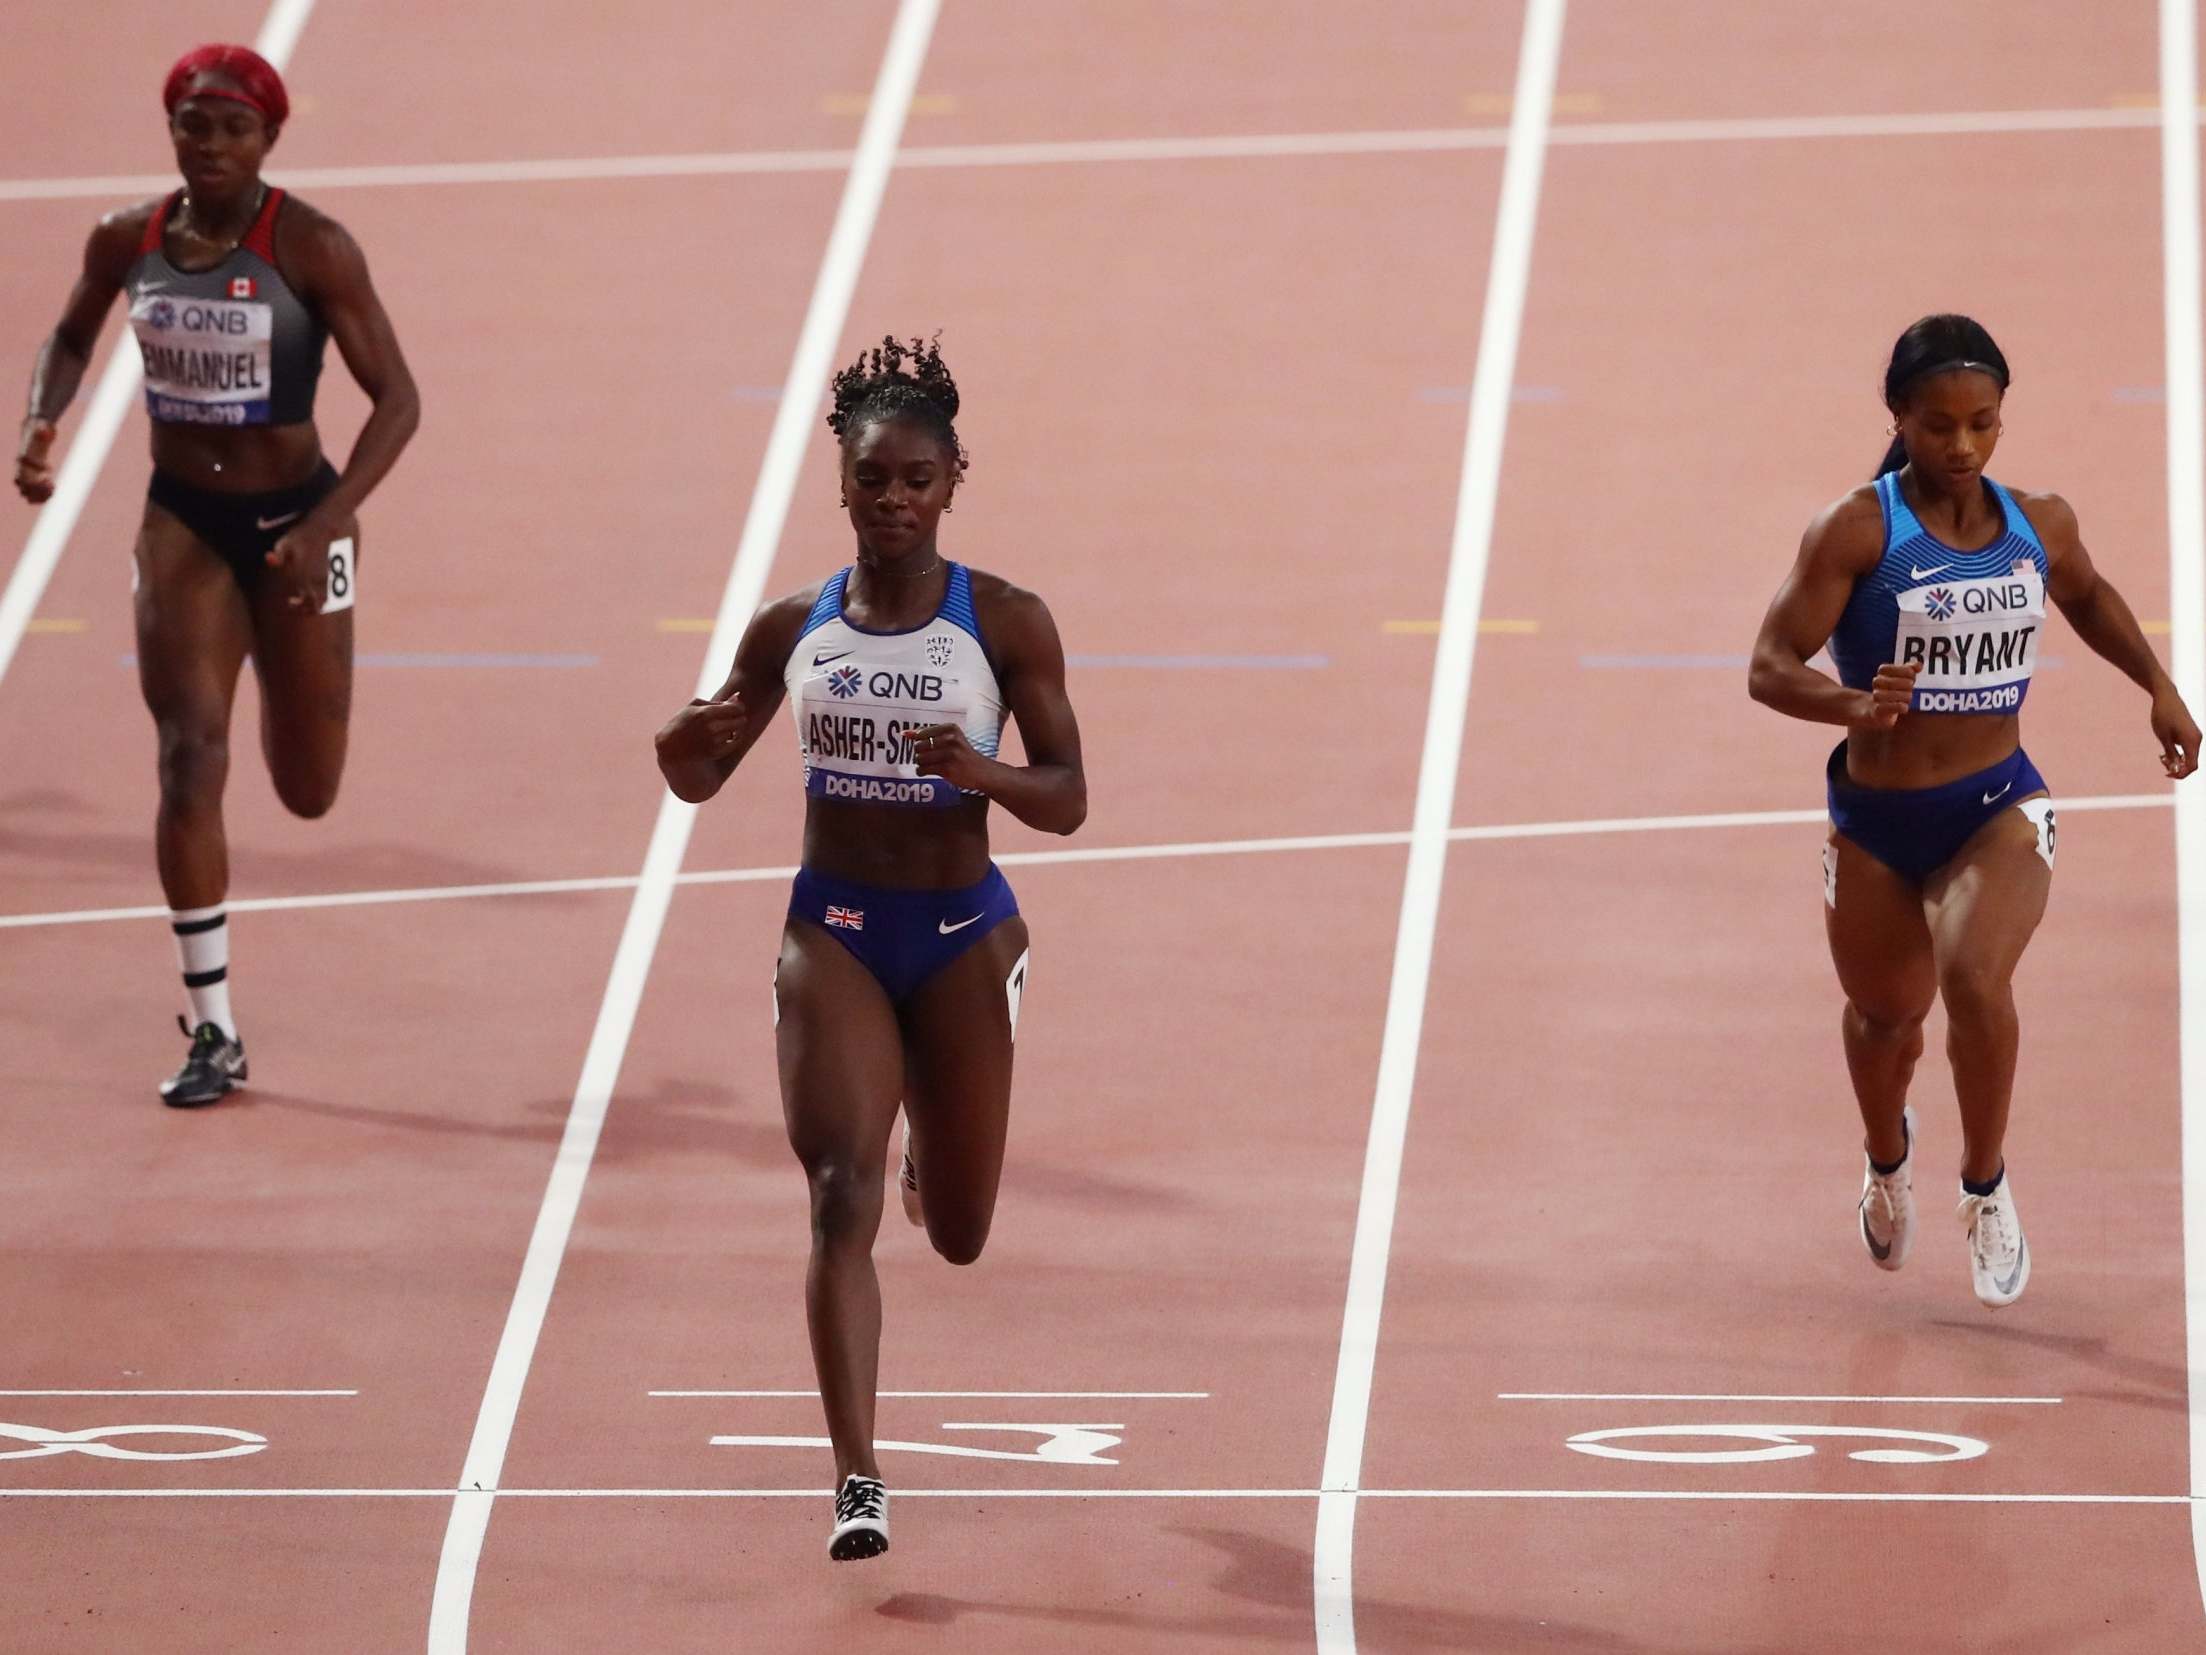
(1777, 1442)
(91, 1440)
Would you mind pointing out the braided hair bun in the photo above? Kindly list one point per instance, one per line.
(898, 381)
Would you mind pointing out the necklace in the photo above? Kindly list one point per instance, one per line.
(259, 201)
(873, 568)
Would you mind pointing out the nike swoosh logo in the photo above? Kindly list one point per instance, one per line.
(152, 287)
(945, 927)
(277, 522)
(1914, 573)
(1878, 1253)
(2022, 1257)
(2002, 793)
(822, 660)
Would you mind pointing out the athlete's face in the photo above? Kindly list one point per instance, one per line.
(897, 480)
(1951, 426)
(220, 144)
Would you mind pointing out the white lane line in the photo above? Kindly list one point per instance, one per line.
(810, 365)
(2186, 397)
(1112, 1396)
(103, 416)
(1220, 147)
(1722, 1496)
(1035, 859)
(180, 1393)
(1509, 276)
(1737, 1396)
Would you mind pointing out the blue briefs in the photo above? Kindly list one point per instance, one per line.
(1915, 831)
(902, 937)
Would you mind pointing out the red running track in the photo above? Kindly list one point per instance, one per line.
(1216, 410)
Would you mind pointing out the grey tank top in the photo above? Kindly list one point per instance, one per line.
(228, 346)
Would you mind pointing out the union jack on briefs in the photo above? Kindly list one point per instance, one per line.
(850, 919)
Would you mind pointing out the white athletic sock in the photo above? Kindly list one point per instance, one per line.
(203, 949)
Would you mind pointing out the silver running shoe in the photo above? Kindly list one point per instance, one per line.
(1999, 1256)
(1888, 1205)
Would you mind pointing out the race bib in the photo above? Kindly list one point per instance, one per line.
(854, 726)
(344, 577)
(1976, 641)
(207, 361)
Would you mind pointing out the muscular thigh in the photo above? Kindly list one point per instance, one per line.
(192, 624)
(840, 1052)
(958, 1041)
(1986, 903)
(1880, 941)
(304, 665)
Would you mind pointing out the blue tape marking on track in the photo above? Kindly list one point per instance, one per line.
(2141, 393)
(444, 658)
(1629, 663)
(1262, 663)
(1462, 393)
(1639, 663)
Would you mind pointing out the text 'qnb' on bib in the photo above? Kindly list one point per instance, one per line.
(1975, 640)
(207, 361)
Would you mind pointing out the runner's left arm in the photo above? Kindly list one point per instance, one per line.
(332, 276)
(1049, 791)
(2103, 619)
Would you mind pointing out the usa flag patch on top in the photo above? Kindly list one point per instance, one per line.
(850, 919)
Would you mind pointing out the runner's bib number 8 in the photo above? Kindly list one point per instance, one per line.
(344, 577)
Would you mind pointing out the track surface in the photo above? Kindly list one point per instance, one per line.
(1216, 410)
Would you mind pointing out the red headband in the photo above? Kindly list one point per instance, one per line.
(254, 81)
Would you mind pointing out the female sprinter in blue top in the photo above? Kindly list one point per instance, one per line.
(1929, 586)
(904, 956)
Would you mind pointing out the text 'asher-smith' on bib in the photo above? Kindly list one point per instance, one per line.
(1970, 620)
(858, 695)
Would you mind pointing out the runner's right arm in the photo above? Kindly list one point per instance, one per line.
(1841, 546)
(700, 746)
(67, 352)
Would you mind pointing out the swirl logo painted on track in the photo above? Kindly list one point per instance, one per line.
(93, 1440)
(1777, 1442)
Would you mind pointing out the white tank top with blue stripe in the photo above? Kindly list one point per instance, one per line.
(1973, 619)
(857, 694)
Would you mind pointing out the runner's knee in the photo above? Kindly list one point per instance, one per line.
(1974, 993)
(846, 1205)
(309, 794)
(194, 761)
(1887, 1022)
(958, 1241)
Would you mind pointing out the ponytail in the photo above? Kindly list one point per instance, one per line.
(1894, 457)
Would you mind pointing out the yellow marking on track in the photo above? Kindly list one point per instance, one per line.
(58, 626)
(1431, 629)
(857, 103)
(687, 623)
(2157, 627)
(1502, 103)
